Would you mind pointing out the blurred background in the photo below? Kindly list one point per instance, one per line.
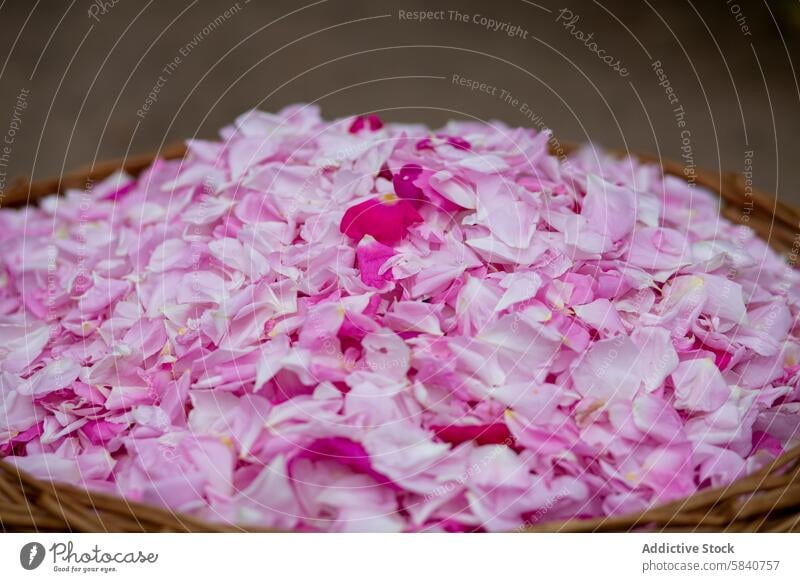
(708, 83)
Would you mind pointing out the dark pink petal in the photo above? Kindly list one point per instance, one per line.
(385, 172)
(430, 143)
(369, 122)
(458, 142)
(412, 183)
(405, 182)
(387, 219)
(345, 452)
(370, 256)
(425, 143)
(767, 442)
(102, 431)
(496, 433)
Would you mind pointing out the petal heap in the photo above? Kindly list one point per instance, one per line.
(359, 326)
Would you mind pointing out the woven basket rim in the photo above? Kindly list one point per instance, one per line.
(767, 500)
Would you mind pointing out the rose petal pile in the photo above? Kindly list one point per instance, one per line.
(357, 326)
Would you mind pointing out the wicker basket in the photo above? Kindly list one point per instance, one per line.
(766, 501)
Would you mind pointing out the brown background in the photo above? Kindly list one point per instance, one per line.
(86, 78)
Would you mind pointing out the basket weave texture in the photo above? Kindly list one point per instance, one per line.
(766, 501)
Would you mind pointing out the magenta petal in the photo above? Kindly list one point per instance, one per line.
(496, 433)
(405, 182)
(387, 219)
(457, 142)
(369, 122)
(385, 172)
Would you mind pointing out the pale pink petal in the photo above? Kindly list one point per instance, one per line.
(56, 375)
(699, 386)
